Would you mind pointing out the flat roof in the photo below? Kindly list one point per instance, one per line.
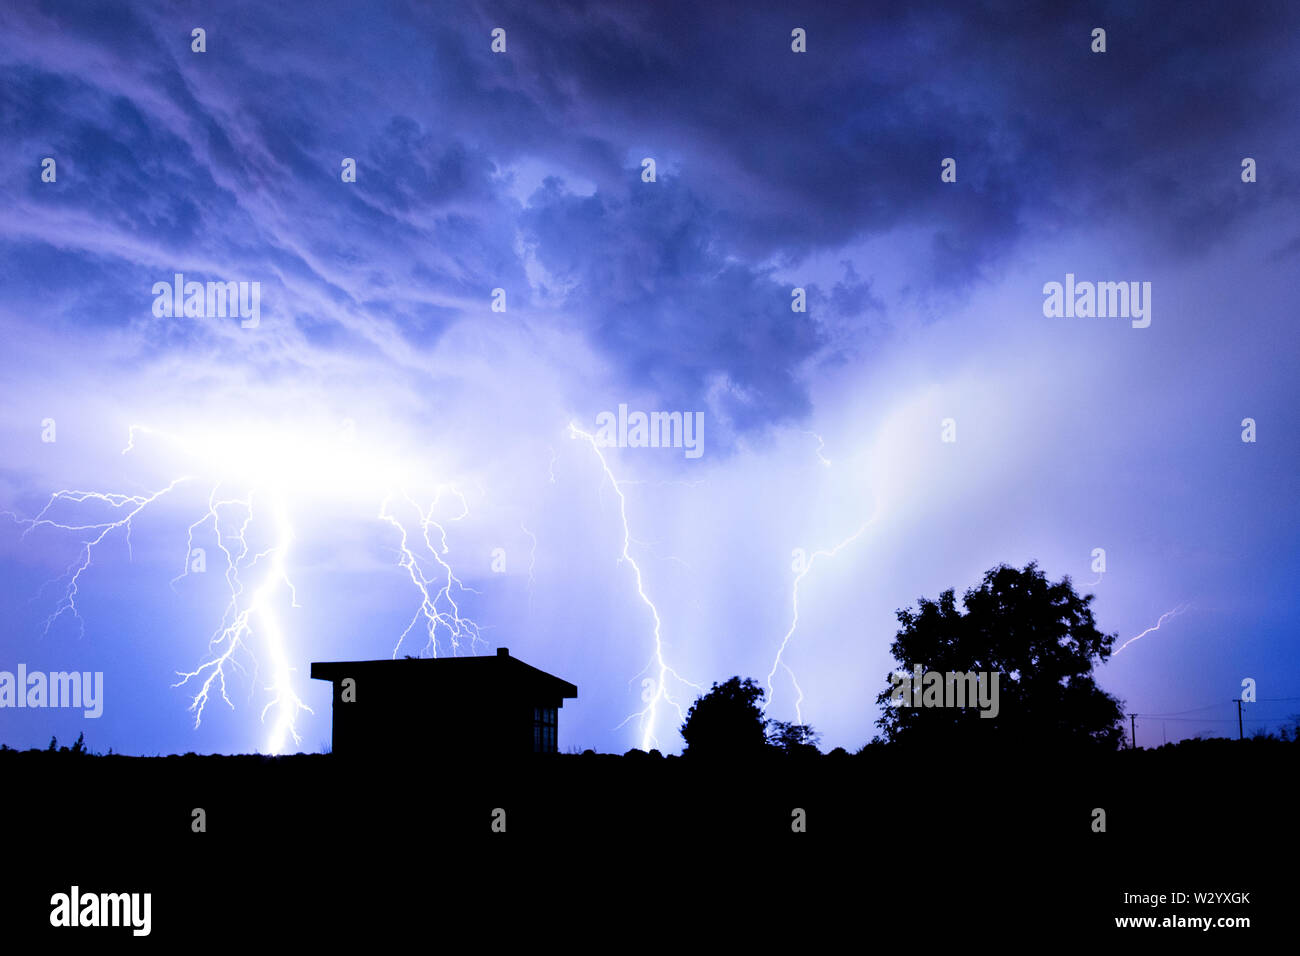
(499, 667)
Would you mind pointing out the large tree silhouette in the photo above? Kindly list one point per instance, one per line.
(727, 721)
(1042, 639)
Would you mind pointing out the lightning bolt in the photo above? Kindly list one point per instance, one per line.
(532, 558)
(258, 583)
(133, 505)
(1155, 627)
(821, 443)
(778, 662)
(438, 606)
(649, 714)
(237, 621)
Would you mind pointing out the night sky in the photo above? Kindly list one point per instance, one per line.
(381, 395)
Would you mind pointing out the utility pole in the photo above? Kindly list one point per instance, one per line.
(1240, 735)
(1133, 736)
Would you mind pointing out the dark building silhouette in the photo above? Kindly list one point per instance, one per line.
(468, 706)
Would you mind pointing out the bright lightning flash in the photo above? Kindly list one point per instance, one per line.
(272, 467)
(438, 606)
(238, 623)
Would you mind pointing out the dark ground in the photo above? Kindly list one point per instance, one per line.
(622, 851)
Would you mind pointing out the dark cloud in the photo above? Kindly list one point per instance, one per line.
(667, 307)
(766, 157)
(851, 297)
(805, 152)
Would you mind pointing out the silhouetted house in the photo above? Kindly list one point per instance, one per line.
(468, 706)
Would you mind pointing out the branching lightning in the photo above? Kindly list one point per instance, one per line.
(438, 606)
(258, 583)
(133, 504)
(237, 623)
(659, 693)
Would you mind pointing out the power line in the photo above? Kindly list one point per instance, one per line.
(1175, 713)
(1211, 720)
(1193, 710)
(1179, 716)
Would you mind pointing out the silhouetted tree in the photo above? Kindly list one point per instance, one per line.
(727, 721)
(1291, 733)
(1042, 640)
(796, 740)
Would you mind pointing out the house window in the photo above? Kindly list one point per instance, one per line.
(544, 730)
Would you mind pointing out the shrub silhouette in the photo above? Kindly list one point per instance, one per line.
(795, 740)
